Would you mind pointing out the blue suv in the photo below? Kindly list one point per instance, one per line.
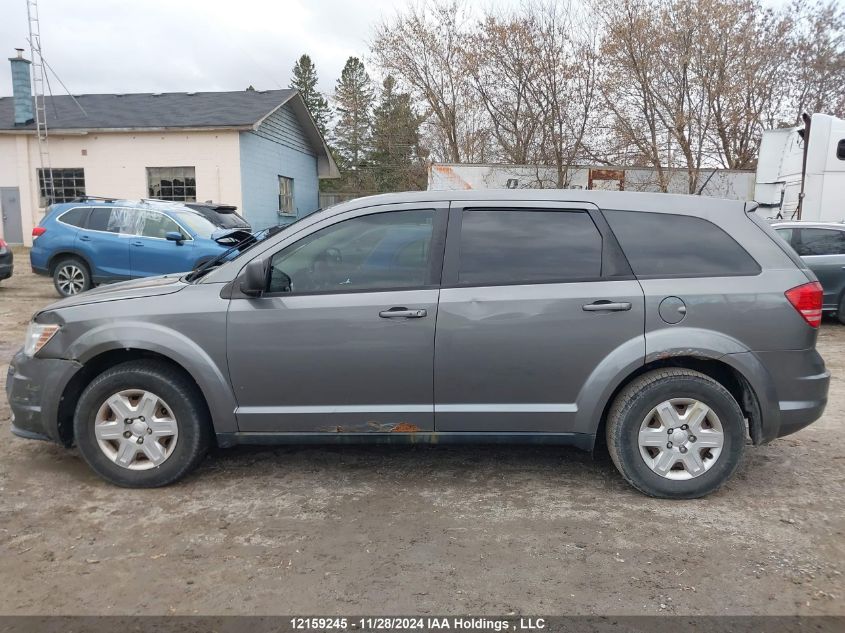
(82, 244)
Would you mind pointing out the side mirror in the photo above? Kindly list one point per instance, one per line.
(254, 278)
(174, 236)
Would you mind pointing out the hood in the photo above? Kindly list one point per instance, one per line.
(134, 289)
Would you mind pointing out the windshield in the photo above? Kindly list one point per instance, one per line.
(197, 224)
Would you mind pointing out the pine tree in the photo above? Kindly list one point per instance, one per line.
(305, 81)
(397, 159)
(354, 102)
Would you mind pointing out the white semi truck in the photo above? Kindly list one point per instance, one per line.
(801, 171)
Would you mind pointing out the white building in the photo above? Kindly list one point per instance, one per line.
(258, 150)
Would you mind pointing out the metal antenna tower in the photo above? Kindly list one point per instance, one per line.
(39, 79)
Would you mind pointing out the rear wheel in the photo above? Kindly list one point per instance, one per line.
(675, 433)
(142, 424)
(840, 313)
(71, 276)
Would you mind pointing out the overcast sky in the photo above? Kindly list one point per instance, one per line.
(119, 46)
(99, 46)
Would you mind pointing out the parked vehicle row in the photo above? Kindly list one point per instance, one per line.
(572, 317)
(82, 244)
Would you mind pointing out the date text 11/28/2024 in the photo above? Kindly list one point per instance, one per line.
(428, 623)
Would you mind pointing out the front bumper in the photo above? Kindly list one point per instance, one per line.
(34, 388)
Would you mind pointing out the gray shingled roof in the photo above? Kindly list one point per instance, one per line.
(165, 110)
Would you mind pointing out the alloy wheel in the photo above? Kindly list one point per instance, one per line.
(70, 279)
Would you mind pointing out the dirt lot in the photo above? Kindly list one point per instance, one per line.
(419, 529)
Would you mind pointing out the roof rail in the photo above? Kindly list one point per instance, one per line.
(86, 198)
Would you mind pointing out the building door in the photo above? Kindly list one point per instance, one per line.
(10, 206)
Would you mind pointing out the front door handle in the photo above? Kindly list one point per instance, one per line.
(607, 306)
(137, 243)
(402, 313)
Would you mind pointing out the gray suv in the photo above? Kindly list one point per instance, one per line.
(671, 327)
(822, 247)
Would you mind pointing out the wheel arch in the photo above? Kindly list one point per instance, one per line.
(106, 346)
(719, 369)
(67, 254)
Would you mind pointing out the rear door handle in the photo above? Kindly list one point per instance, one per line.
(137, 243)
(607, 306)
(402, 313)
(85, 238)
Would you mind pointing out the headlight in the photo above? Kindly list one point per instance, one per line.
(37, 335)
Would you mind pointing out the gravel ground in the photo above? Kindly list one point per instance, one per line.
(481, 530)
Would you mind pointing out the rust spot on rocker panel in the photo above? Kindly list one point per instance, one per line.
(373, 426)
(405, 427)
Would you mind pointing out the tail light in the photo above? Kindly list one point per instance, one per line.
(38, 230)
(2, 246)
(807, 299)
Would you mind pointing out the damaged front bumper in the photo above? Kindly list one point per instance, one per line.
(34, 388)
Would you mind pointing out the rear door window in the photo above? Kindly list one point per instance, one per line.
(820, 242)
(660, 245)
(506, 246)
(100, 219)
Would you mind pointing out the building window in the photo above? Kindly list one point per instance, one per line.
(178, 184)
(68, 185)
(286, 196)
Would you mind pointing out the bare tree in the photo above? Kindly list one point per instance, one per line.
(817, 78)
(631, 64)
(501, 60)
(744, 80)
(423, 49)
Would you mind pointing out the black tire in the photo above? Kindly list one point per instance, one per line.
(840, 313)
(634, 403)
(71, 272)
(173, 387)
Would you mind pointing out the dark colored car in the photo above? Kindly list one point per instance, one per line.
(557, 317)
(7, 261)
(822, 247)
(223, 215)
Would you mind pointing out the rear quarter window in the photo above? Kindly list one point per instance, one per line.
(74, 217)
(668, 245)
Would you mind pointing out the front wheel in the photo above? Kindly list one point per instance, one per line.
(676, 434)
(142, 424)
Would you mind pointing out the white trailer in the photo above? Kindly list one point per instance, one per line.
(801, 171)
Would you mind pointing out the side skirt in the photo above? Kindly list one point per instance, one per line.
(582, 441)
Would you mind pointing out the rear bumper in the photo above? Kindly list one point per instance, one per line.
(34, 387)
(6, 269)
(791, 388)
